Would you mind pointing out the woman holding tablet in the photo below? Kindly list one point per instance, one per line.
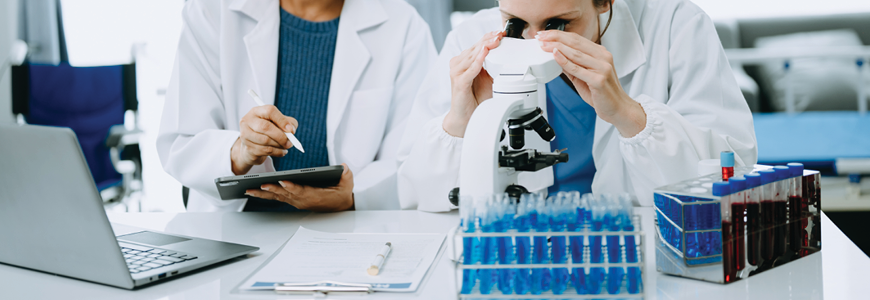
(339, 74)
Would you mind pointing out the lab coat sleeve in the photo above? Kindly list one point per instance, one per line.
(375, 184)
(429, 157)
(704, 115)
(193, 144)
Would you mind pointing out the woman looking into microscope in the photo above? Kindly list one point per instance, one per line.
(646, 93)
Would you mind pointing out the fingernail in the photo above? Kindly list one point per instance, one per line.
(265, 188)
(285, 151)
(248, 194)
(289, 128)
(281, 182)
(540, 34)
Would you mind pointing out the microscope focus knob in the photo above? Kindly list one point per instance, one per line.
(453, 196)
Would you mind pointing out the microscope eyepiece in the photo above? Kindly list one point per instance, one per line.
(514, 28)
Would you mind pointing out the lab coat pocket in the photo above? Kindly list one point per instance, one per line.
(364, 125)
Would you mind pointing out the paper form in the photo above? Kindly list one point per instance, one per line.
(311, 256)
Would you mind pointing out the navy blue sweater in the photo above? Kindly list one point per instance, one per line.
(305, 57)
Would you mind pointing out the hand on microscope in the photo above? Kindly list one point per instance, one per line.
(470, 83)
(261, 135)
(590, 68)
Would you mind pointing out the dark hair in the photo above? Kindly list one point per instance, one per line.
(600, 3)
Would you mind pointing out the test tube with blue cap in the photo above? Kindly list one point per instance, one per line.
(723, 190)
(578, 275)
(507, 210)
(522, 223)
(634, 275)
(469, 276)
(487, 214)
(753, 218)
(540, 252)
(780, 206)
(768, 193)
(557, 223)
(738, 215)
(614, 254)
(596, 274)
(796, 206)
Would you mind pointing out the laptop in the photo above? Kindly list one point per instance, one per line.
(52, 219)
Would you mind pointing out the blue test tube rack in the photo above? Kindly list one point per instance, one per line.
(630, 262)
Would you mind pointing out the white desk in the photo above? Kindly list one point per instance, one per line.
(838, 272)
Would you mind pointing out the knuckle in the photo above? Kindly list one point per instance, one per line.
(261, 140)
(262, 126)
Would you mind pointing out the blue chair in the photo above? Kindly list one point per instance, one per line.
(92, 101)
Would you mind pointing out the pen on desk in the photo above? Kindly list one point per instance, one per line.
(379, 259)
(290, 136)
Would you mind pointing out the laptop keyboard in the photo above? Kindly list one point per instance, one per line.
(142, 258)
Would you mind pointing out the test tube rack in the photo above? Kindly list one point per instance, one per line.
(689, 240)
(628, 287)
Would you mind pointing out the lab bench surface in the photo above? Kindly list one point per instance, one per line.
(837, 272)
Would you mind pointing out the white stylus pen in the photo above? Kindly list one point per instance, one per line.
(375, 268)
(290, 136)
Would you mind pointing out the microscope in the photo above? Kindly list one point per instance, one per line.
(520, 70)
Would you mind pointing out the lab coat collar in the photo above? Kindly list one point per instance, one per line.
(622, 38)
(351, 59)
(261, 43)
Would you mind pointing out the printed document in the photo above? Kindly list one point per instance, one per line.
(311, 256)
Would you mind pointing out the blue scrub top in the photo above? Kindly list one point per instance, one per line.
(573, 120)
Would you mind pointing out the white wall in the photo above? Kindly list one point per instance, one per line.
(8, 21)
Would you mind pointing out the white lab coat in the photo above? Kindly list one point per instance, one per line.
(383, 51)
(668, 58)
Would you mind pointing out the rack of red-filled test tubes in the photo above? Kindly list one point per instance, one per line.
(723, 231)
(566, 246)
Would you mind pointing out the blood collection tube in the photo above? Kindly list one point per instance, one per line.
(795, 203)
(738, 215)
(726, 159)
(768, 192)
(575, 243)
(780, 206)
(753, 218)
(723, 190)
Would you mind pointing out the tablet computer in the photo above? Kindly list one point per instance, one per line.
(233, 187)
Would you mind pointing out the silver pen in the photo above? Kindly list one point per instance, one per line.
(375, 268)
(290, 136)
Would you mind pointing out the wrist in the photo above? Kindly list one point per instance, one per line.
(630, 118)
(236, 164)
(454, 124)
